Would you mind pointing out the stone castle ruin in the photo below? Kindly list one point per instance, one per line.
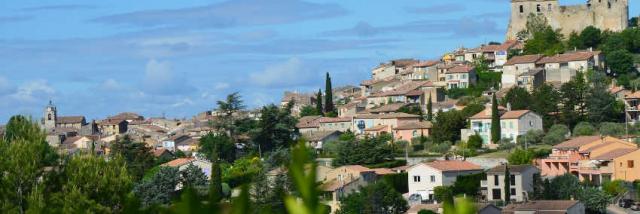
(610, 15)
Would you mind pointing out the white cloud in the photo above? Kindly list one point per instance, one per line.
(184, 102)
(159, 79)
(36, 90)
(290, 73)
(221, 86)
(111, 85)
(5, 86)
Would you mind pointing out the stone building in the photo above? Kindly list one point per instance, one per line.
(610, 15)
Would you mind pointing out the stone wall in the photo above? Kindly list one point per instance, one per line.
(604, 14)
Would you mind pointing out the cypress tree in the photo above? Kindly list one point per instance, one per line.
(495, 121)
(328, 97)
(215, 192)
(429, 109)
(507, 184)
(319, 102)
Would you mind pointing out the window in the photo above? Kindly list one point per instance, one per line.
(496, 194)
(512, 180)
(416, 178)
(49, 117)
(538, 8)
(549, 7)
(496, 180)
(630, 163)
(464, 76)
(513, 192)
(415, 133)
(511, 124)
(521, 9)
(433, 178)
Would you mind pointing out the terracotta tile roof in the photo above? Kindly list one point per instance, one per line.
(514, 114)
(392, 107)
(334, 119)
(318, 136)
(72, 140)
(486, 113)
(616, 89)
(404, 88)
(127, 116)
(377, 128)
(70, 119)
(634, 95)
(415, 125)
(334, 185)
(453, 165)
(159, 152)
(577, 142)
(357, 168)
(516, 169)
(569, 57)
(383, 171)
(308, 122)
(426, 64)
(524, 59)
(111, 121)
(614, 154)
(386, 116)
(178, 162)
(461, 69)
(541, 206)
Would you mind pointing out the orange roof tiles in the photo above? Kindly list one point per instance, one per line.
(524, 59)
(514, 114)
(577, 142)
(415, 125)
(178, 162)
(461, 69)
(569, 57)
(453, 165)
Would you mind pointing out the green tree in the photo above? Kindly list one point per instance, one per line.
(160, 189)
(573, 100)
(546, 41)
(443, 193)
(612, 129)
(475, 141)
(594, 199)
(532, 137)
(429, 109)
(564, 187)
(601, 104)
(375, 198)
(319, 100)
(545, 101)
(507, 184)
(495, 121)
(365, 152)
(137, 156)
(224, 144)
(228, 107)
(520, 157)
(590, 37)
(468, 185)
(193, 177)
(276, 128)
(556, 134)
(308, 111)
(584, 129)
(614, 188)
(328, 99)
(620, 62)
(215, 184)
(519, 99)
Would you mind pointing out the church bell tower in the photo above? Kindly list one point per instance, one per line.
(50, 115)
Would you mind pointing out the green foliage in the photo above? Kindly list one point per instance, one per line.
(426, 212)
(440, 148)
(507, 184)
(305, 182)
(612, 129)
(411, 109)
(468, 185)
(447, 125)
(365, 152)
(519, 99)
(584, 129)
(387, 164)
(594, 200)
(225, 146)
(241, 172)
(309, 111)
(532, 137)
(563, 187)
(160, 189)
(573, 100)
(276, 128)
(506, 145)
(474, 142)
(193, 177)
(520, 157)
(379, 197)
(547, 41)
(137, 156)
(590, 37)
(601, 104)
(399, 182)
(556, 134)
(429, 109)
(319, 105)
(544, 101)
(328, 97)
(535, 24)
(614, 188)
(460, 205)
(495, 121)
(443, 193)
(620, 62)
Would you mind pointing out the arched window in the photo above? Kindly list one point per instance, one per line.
(49, 117)
(521, 9)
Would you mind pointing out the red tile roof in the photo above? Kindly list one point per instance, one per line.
(524, 59)
(577, 142)
(426, 64)
(415, 125)
(453, 165)
(569, 57)
(514, 114)
(614, 154)
(178, 162)
(461, 69)
(308, 122)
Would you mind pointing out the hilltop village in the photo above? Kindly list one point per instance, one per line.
(543, 122)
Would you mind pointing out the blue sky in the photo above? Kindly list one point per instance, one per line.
(97, 58)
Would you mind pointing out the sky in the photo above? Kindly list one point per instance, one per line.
(176, 58)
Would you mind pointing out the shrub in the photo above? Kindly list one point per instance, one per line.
(441, 148)
(584, 129)
(612, 129)
(556, 134)
(398, 181)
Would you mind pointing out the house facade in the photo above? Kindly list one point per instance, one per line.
(461, 76)
(520, 182)
(512, 124)
(424, 177)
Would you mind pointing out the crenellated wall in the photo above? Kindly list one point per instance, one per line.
(610, 15)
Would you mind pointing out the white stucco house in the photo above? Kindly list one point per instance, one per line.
(424, 177)
(512, 124)
(520, 182)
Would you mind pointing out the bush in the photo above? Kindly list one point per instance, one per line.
(475, 141)
(584, 129)
(556, 134)
(506, 145)
(441, 148)
(417, 147)
(612, 129)
(532, 137)
(388, 164)
(399, 182)
(521, 156)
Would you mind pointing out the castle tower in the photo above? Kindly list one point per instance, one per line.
(50, 115)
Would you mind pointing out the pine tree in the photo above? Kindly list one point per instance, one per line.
(429, 109)
(328, 97)
(507, 184)
(319, 102)
(215, 192)
(495, 121)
